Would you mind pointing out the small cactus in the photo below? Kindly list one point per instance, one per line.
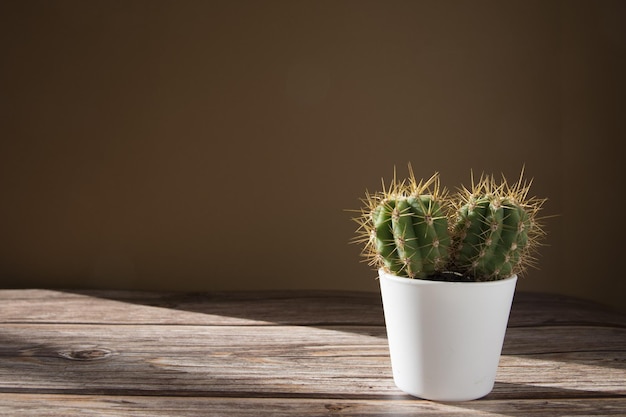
(417, 230)
(405, 228)
(496, 230)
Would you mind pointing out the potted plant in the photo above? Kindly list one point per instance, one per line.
(448, 265)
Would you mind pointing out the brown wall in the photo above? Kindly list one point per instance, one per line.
(199, 145)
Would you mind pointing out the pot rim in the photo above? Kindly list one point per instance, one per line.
(418, 281)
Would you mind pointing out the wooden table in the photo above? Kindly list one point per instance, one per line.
(108, 353)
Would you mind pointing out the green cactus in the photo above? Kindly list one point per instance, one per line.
(495, 230)
(493, 233)
(489, 237)
(406, 228)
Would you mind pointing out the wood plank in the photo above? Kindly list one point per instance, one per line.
(142, 406)
(264, 308)
(332, 362)
(194, 360)
(528, 340)
(541, 309)
(227, 308)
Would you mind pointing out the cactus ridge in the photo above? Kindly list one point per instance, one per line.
(410, 235)
(494, 229)
(405, 228)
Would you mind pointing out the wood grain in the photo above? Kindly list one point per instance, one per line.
(281, 353)
(137, 406)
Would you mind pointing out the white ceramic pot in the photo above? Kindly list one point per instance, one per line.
(445, 338)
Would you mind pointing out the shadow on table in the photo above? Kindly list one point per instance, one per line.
(576, 332)
(507, 390)
(539, 339)
(35, 365)
(41, 359)
(505, 398)
(318, 307)
(47, 372)
(359, 312)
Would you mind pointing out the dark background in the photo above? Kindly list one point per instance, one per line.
(204, 145)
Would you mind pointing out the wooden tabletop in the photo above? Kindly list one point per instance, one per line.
(111, 353)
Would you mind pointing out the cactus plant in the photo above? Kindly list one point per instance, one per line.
(405, 228)
(417, 230)
(495, 231)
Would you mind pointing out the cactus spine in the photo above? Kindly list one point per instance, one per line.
(496, 229)
(405, 228)
(417, 230)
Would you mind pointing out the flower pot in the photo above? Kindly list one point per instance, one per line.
(445, 338)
